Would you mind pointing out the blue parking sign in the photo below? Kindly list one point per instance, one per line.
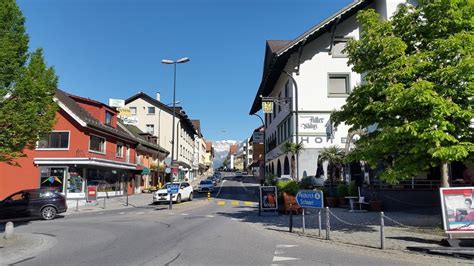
(172, 188)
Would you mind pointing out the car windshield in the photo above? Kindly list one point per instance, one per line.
(206, 182)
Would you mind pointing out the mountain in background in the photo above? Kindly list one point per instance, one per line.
(221, 149)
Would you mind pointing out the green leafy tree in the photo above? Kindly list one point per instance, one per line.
(294, 149)
(27, 87)
(417, 88)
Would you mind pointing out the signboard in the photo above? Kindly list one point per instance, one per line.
(268, 198)
(258, 137)
(168, 170)
(124, 112)
(116, 102)
(310, 199)
(172, 188)
(91, 193)
(267, 107)
(131, 120)
(458, 209)
(315, 123)
(174, 171)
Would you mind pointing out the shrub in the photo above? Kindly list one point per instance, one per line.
(342, 190)
(270, 180)
(291, 187)
(306, 183)
(353, 191)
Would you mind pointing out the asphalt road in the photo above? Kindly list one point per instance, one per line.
(200, 232)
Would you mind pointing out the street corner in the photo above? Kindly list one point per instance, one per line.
(24, 246)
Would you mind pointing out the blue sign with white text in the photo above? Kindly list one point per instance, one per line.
(172, 188)
(310, 199)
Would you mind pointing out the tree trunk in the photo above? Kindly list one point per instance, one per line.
(444, 175)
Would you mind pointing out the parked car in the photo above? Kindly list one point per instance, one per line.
(238, 175)
(185, 192)
(43, 203)
(213, 179)
(205, 186)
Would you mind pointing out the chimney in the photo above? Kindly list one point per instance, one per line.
(158, 96)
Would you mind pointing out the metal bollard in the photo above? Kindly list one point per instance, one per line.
(104, 204)
(77, 205)
(304, 225)
(291, 218)
(328, 224)
(319, 216)
(8, 231)
(382, 233)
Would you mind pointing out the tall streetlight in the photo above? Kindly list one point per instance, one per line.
(174, 63)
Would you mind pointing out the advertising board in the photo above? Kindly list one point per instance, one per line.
(458, 209)
(268, 198)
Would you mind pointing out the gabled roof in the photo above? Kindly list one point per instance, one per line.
(84, 118)
(179, 110)
(140, 137)
(276, 57)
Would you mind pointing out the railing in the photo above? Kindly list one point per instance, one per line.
(107, 156)
(408, 184)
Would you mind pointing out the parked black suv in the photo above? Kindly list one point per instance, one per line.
(44, 203)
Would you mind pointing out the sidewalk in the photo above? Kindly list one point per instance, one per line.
(112, 203)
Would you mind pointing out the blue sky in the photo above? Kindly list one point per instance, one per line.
(105, 49)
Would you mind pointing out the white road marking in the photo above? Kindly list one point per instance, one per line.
(242, 186)
(276, 258)
(139, 213)
(220, 187)
(235, 219)
(286, 246)
(184, 214)
(279, 252)
(121, 212)
(101, 213)
(210, 216)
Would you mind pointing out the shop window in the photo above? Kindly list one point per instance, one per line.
(76, 181)
(54, 140)
(52, 178)
(338, 84)
(97, 144)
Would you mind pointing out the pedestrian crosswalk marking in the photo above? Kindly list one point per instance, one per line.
(279, 252)
(286, 246)
(276, 258)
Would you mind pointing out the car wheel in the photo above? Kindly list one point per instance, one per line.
(178, 198)
(190, 196)
(48, 213)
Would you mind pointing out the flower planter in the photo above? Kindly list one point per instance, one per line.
(376, 205)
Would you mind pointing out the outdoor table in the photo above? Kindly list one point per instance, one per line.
(351, 202)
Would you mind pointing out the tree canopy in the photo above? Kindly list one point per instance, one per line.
(27, 87)
(417, 87)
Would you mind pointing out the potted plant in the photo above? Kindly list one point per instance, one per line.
(375, 203)
(342, 192)
(335, 157)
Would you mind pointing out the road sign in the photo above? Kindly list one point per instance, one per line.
(172, 188)
(310, 199)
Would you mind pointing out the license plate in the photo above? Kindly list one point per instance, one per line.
(162, 197)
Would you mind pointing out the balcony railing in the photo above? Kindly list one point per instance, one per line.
(112, 156)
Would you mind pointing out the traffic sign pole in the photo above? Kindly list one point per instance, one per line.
(303, 221)
(171, 201)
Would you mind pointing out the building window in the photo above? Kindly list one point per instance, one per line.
(119, 150)
(338, 47)
(55, 140)
(338, 84)
(97, 144)
(133, 110)
(150, 128)
(52, 178)
(151, 110)
(108, 118)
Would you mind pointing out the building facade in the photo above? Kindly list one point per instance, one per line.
(306, 79)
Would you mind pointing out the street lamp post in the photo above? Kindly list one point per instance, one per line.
(174, 63)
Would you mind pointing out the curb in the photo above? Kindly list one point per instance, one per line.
(24, 247)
